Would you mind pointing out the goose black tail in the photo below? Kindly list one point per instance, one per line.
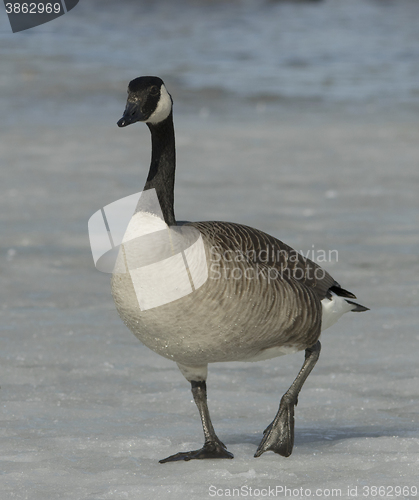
(358, 307)
(344, 293)
(338, 290)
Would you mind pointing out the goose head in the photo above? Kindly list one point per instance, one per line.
(148, 101)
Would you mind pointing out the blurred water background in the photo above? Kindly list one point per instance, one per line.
(348, 51)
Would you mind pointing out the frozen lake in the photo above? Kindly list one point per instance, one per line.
(300, 119)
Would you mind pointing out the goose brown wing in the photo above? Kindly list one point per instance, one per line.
(259, 248)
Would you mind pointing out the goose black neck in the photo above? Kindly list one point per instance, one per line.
(161, 176)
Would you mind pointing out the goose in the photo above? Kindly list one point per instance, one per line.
(267, 302)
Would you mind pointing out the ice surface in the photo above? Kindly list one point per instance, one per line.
(87, 411)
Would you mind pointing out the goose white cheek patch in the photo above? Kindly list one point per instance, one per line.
(163, 108)
(130, 236)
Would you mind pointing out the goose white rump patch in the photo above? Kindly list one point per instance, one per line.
(333, 309)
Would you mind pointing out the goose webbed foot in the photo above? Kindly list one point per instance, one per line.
(211, 449)
(279, 435)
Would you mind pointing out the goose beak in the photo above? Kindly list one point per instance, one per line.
(132, 114)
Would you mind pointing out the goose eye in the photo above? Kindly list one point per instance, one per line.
(154, 90)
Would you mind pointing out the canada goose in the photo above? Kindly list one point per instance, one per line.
(280, 307)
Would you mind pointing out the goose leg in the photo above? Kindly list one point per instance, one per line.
(213, 447)
(279, 435)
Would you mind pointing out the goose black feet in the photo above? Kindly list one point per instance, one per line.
(211, 449)
(279, 435)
